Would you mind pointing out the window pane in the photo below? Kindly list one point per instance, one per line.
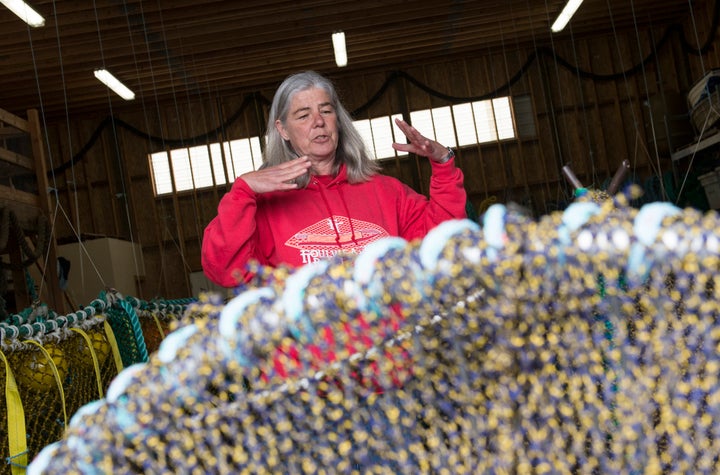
(422, 121)
(161, 173)
(484, 121)
(365, 131)
(181, 169)
(241, 156)
(398, 135)
(232, 174)
(503, 118)
(444, 127)
(200, 163)
(383, 137)
(256, 152)
(464, 124)
(217, 163)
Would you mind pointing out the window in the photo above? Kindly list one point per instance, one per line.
(162, 180)
(204, 166)
(242, 156)
(379, 134)
(458, 125)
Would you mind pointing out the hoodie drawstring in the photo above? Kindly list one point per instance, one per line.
(347, 213)
(330, 213)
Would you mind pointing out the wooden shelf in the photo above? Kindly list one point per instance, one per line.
(705, 142)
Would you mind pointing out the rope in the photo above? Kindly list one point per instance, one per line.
(40, 321)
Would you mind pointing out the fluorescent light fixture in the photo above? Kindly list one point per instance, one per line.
(111, 81)
(338, 39)
(23, 10)
(564, 17)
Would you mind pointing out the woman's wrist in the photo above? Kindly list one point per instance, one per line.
(445, 158)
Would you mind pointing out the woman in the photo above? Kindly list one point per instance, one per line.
(318, 192)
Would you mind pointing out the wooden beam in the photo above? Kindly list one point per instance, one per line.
(10, 132)
(16, 159)
(13, 120)
(10, 196)
(36, 137)
(22, 294)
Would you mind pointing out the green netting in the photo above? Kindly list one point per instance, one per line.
(127, 330)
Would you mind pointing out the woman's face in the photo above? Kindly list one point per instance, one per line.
(311, 125)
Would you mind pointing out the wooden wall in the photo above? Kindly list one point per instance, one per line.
(582, 120)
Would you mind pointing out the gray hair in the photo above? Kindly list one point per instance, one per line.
(350, 150)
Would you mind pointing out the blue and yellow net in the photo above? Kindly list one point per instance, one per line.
(583, 342)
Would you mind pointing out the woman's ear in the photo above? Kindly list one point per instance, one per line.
(281, 128)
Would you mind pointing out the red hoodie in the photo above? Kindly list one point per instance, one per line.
(328, 217)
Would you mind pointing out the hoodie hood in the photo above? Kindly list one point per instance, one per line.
(317, 182)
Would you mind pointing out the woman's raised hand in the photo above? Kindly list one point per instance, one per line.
(419, 144)
(277, 178)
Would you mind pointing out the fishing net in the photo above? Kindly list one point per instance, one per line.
(52, 365)
(582, 342)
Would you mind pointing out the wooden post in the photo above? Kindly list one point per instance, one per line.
(22, 293)
(57, 303)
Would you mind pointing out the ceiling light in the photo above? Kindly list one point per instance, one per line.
(564, 17)
(338, 39)
(23, 10)
(111, 81)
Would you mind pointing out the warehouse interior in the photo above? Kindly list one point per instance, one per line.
(99, 197)
(611, 86)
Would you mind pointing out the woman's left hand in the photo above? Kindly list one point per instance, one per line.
(419, 144)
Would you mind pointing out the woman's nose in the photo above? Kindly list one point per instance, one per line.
(318, 119)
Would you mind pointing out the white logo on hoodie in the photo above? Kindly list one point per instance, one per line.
(335, 235)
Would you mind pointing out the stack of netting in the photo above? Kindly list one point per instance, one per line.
(584, 342)
(55, 364)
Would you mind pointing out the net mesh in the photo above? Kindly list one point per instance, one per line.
(584, 342)
(128, 332)
(54, 382)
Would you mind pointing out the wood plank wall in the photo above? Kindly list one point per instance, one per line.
(591, 125)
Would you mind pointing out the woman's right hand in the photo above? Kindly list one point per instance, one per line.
(277, 178)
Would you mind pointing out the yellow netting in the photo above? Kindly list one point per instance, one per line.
(41, 397)
(62, 363)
